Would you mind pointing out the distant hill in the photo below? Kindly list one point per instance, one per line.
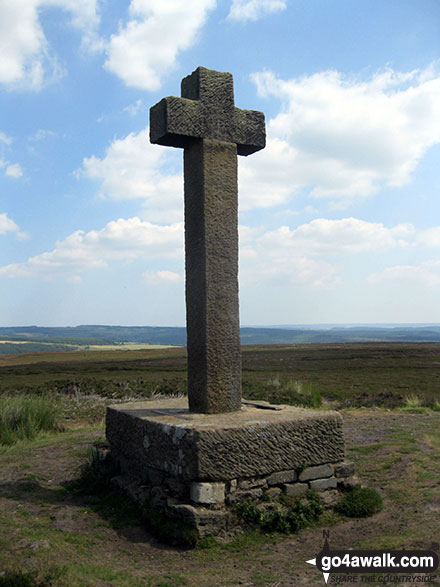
(97, 334)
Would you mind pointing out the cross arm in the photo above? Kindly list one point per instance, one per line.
(175, 121)
(249, 131)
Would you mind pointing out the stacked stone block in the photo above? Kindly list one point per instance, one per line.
(194, 467)
(206, 505)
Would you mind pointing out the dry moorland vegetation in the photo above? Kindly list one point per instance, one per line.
(52, 535)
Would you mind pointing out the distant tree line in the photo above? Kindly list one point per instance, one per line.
(99, 335)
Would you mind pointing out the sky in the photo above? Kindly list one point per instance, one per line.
(339, 216)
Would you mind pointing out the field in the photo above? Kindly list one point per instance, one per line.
(23, 346)
(362, 374)
(388, 395)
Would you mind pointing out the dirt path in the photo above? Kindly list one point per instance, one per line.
(42, 524)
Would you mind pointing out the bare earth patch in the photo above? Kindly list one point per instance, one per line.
(42, 524)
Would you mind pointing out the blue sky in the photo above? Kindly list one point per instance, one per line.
(339, 214)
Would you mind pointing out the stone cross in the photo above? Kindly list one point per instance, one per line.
(212, 131)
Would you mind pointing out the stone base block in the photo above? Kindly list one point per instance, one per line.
(164, 436)
(207, 493)
(295, 489)
(328, 483)
(192, 466)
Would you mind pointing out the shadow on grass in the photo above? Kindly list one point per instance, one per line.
(114, 510)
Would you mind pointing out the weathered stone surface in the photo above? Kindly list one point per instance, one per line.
(243, 494)
(294, 489)
(154, 477)
(158, 498)
(131, 487)
(273, 492)
(316, 472)
(232, 486)
(211, 253)
(212, 131)
(251, 483)
(207, 522)
(207, 493)
(221, 447)
(282, 477)
(206, 110)
(330, 482)
(344, 469)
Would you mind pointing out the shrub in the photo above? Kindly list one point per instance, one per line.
(285, 515)
(360, 503)
(49, 577)
(23, 417)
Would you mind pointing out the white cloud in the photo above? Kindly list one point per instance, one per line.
(85, 16)
(299, 256)
(268, 259)
(282, 269)
(135, 108)
(131, 168)
(26, 60)
(147, 47)
(426, 274)
(5, 139)
(42, 134)
(162, 277)
(429, 237)
(7, 224)
(312, 254)
(14, 170)
(340, 137)
(120, 240)
(347, 235)
(265, 179)
(254, 9)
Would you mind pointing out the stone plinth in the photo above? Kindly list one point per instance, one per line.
(186, 462)
(165, 436)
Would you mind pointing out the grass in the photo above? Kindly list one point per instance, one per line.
(413, 401)
(293, 392)
(98, 544)
(169, 580)
(368, 449)
(416, 405)
(347, 375)
(88, 558)
(51, 576)
(24, 417)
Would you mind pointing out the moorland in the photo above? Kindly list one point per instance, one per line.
(387, 393)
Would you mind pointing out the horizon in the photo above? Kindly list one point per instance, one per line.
(323, 325)
(338, 215)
